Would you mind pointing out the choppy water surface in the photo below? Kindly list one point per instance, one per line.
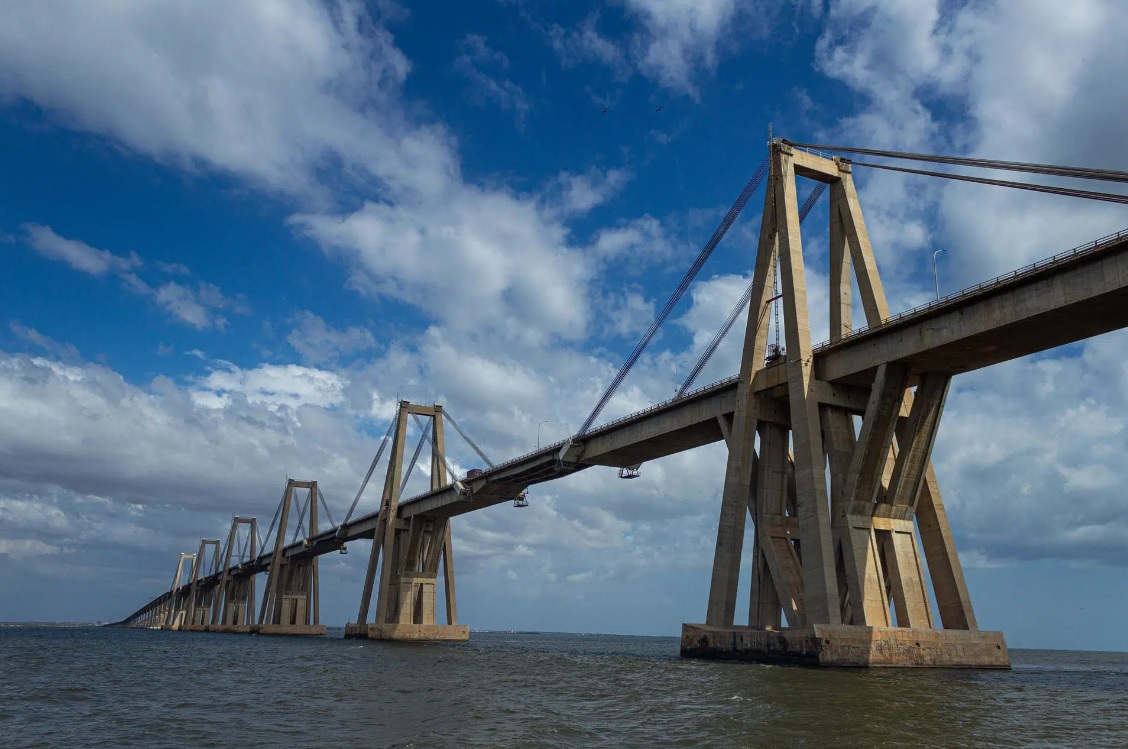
(138, 688)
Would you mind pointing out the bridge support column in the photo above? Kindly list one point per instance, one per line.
(201, 594)
(407, 594)
(235, 595)
(177, 605)
(291, 604)
(842, 567)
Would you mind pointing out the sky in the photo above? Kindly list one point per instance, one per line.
(234, 234)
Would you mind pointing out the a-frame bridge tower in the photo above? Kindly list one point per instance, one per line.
(836, 477)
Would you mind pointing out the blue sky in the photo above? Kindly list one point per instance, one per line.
(233, 235)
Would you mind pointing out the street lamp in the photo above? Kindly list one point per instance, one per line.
(538, 431)
(936, 273)
(676, 365)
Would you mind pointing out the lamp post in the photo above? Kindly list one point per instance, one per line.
(676, 365)
(538, 431)
(936, 273)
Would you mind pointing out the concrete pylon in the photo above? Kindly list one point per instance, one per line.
(291, 603)
(177, 602)
(201, 593)
(408, 575)
(234, 597)
(837, 576)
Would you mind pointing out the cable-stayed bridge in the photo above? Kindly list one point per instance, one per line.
(828, 453)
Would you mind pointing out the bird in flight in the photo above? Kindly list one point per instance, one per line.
(604, 111)
(659, 109)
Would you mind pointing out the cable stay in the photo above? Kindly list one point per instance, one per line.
(1074, 172)
(450, 469)
(325, 506)
(691, 274)
(277, 512)
(301, 515)
(364, 484)
(741, 304)
(1107, 197)
(1108, 175)
(243, 552)
(226, 545)
(466, 437)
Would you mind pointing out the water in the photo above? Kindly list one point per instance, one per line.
(89, 687)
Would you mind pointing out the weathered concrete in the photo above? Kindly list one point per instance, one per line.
(409, 632)
(848, 646)
(304, 630)
(233, 629)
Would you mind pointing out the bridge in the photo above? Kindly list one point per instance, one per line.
(829, 454)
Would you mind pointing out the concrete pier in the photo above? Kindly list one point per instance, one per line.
(409, 632)
(848, 646)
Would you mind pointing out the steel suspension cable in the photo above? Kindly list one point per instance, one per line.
(371, 468)
(243, 551)
(706, 251)
(707, 354)
(466, 437)
(325, 506)
(226, 546)
(1066, 191)
(450, 469)
(277, 512)
(301, 517)
(1108, 175)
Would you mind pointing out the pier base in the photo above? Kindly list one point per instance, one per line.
(302, 630)
(848, 646)
(232, 629)
(409, 632)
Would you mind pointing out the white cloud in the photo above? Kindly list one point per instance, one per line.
(673, 42)
(78, 255)
(65, 352)
(471, 258)
(23, 548)
(579, 193)
(287, 386)
(996, 80)
(199, 307)
(475, 58)
(266, 89)
(318, 343)
(575, 46)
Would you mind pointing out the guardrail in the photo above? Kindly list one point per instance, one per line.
(660, 406)
(1086, 249)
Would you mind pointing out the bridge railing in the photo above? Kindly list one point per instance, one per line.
(1089, 247)
(661, 405)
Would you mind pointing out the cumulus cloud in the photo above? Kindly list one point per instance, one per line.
(469, 257)
(267, 90)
